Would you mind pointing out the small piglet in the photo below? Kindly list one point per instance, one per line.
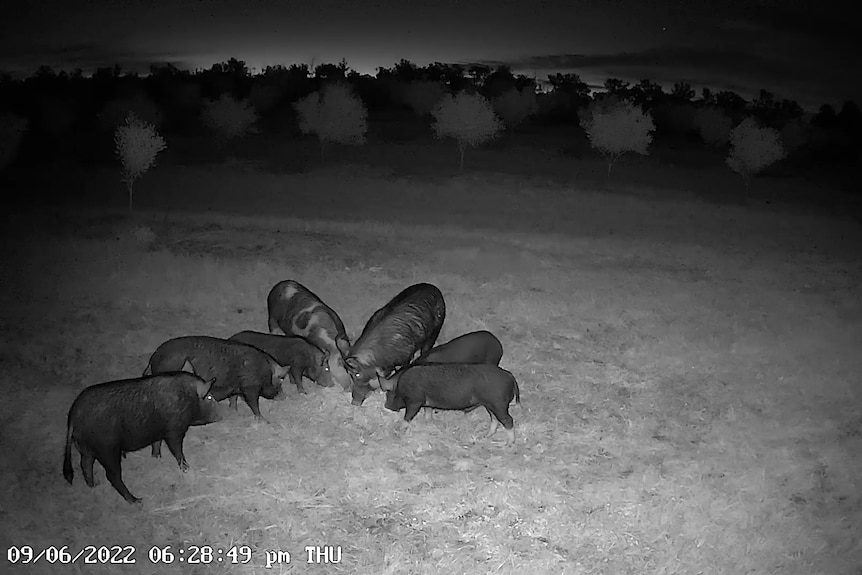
(474, 347)
(303, 358)
(454, 386)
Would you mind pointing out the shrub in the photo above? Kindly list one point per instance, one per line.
(468, 118)
(12, 128)
(228, 118)
(752, 148)
(336, 115)
(515, 106)
(713, 125)
(619, 128)
(137, 144)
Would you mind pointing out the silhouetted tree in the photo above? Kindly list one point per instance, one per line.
(825, 117)
(730, 102)
(682, 91)
(331, 72)
(617, 87)
(850, 118)
(646, 93)
(707, 98)
(478, 73)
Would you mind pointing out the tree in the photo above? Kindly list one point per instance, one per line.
(228, 118)
(12, 128)
(514, 106)
(617, 87)
(646, 93)
(682, 91)
(137, 144)
(571, 84)
(752, 148)
(468, 118)
(730, 102)
(623, 128)
(713, 125)
(498, 82)
(335, 115)
(332, 72)
(420, 96)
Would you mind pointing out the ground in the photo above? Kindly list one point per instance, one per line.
(688, 366)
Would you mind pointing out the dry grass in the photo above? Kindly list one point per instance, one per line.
(688, 406)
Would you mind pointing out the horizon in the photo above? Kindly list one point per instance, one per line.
(802, 52)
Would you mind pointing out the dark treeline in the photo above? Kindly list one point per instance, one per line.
(55, 103)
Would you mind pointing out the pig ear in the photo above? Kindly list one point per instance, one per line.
(204, 387)
(283, 370)
(187, 366)
(325, 359)
(343, 346)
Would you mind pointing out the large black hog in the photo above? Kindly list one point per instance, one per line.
(474, 347)
(109, 419)
(239, 369)
(410, 322)
(295, 310)
(303, 358)
(454, 386)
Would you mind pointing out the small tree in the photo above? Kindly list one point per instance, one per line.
(752, 148)
(12, 128)
(137, 144)
(713, 125)
(336, 115)
(514, 106)
(468, 118)
(228, 118)
(617, 129)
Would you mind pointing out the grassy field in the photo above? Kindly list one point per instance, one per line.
(689, 374)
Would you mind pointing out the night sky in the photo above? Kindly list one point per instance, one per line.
(801, 49)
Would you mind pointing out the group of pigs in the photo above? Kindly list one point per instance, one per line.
(187, 376)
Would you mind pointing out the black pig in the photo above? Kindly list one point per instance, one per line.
(239, 369)
(454, 386)
(297, 352)
(295, 310)
(475, 347)
(410, 322)
(109, 419)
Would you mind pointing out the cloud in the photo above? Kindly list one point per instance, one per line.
(810, 78)
(87, 57)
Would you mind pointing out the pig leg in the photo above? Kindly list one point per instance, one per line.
(296, 378)
(111, 463)
(232, 402)
(411, 411)
(502, 415)
(87, 459)
(175, 444)
(157, 448)
(274, 327)
(253, 402)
